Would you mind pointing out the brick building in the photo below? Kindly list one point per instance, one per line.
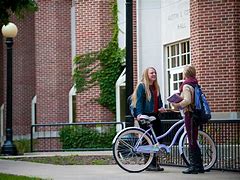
(167, 35)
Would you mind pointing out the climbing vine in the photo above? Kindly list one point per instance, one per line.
(102, 67)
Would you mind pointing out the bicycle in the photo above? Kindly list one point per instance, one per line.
(134, 148)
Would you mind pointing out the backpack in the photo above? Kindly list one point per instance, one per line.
(201, 111)
(131, 108)
(130, 105)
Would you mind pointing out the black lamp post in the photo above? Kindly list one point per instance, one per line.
(9, 31)
(129, 60)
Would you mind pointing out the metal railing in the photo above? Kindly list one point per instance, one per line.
(225, 133)
(72, 136)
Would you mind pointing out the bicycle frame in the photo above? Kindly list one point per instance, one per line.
(133, 143)
(158, 146)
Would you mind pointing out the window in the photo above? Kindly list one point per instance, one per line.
(72, 105)
(178, 56)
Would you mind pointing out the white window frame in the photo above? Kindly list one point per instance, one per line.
(120, 82)
(175, 68)
(33, 111)
(72, 93)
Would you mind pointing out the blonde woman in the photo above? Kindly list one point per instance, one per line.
(187, 93)
(147, 100)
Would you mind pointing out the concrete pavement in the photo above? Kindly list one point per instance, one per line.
(102, 172)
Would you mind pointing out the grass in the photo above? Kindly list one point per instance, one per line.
(69, 160)
(15, 177)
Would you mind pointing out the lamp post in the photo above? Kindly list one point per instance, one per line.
(9, 31)
(129, 60)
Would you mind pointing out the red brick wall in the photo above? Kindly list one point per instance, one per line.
(215, 50)
(47, 144)
(23, 75)
(53, 60)
(93, 32)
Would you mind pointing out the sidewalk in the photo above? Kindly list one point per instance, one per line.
(100, 172)
(80, 153)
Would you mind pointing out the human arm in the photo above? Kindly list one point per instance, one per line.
(140, 100)
(187, 97)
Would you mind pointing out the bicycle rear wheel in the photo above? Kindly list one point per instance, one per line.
(207, 147)
(125, 153)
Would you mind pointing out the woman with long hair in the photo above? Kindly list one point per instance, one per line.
(146, 98)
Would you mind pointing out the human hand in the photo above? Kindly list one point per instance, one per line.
(162, 109)
(138, 117)
(175, 105)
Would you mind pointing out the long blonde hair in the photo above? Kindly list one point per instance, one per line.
(146, 82)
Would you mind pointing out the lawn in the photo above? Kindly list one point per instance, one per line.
(69, 160)
(15, 177)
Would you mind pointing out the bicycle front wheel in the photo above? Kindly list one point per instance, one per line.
(125, 150)
(207, 147)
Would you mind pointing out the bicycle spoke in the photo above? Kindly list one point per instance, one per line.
(207, 147)
(125, 153)
(125, 143)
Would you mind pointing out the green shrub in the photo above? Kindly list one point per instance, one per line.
(23, 145)
(73, 137)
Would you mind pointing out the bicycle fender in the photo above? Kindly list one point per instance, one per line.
(181, 142)
(125, 129)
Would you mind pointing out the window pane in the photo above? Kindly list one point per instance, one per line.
(74, 105)
(167, 51)
(188, 58)
(173, 50)
(173, 62)
(188, 46)
(175, 86)
(183, 47)
(180, 76)
(184, 61)
(177, 49)
(178, 63)
(174, 77)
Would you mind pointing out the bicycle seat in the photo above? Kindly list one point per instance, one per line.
(147, 118)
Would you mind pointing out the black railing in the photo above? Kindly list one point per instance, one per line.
(225, 133)
(73, 136)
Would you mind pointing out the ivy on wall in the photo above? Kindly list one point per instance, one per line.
(102, 68)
